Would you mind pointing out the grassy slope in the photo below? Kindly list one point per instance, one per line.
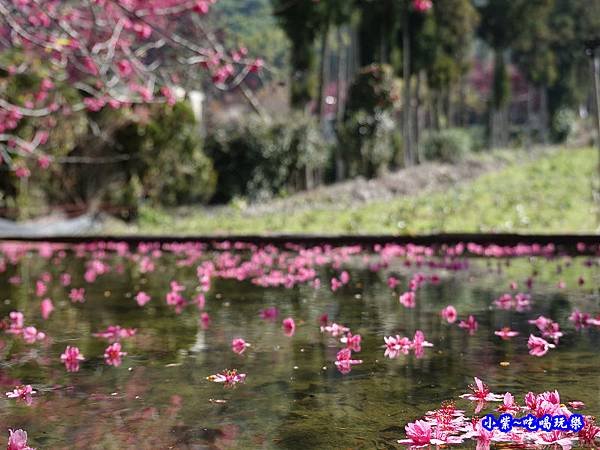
(551, 194)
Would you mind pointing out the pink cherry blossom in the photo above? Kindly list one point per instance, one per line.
(17, 322)
(508, 404)
(113, 354)
(17, 440)
(481, 392)
(205, 320)
(239, 345)
(270, 313)
(22, 172)
(344, 361)
(407, 299)
(554, 438)
(31, 335)
(142, 298)
(200, 301)
(470, 324)
(77, 295)
(71, 358)
(114, 333)
(228, 377)
(46, 307)
(418, 433)
(335, 329)
(289, 326)
(422, 6)
(394, 346)
(449, 314)
(538, 346)
(65, 279)
(40, 288)
(506, 333)
(336, 284)
(352, 341)
(419, 343)
(23, 393)
(580, 319)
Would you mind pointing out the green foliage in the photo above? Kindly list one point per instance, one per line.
(259, 160)
(528, 195)
(501, 83)
(571, 23)
(377, 30)
(167, 161)
(300, 21)
(367, 133)
(154, 155)
(450, 145)
(251, 24)
(563, 124)
(478, 136)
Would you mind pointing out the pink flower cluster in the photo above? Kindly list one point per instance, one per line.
(228, 377)
(520, 302)
(16, 326)
(448, 425)
(584, 320)
(344, 360)
(17, 440)
(396, 345)
(23, 392)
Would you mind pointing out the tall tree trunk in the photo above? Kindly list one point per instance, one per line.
(530, 118)
(324, 40)
(544, 115)
(462, 101)
(498, 113)
(419, 115)
(437, 110)
(406, 116)
(596, 75)
(451, 110)
(341, 75)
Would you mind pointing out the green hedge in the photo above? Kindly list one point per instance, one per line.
(258, 160)
(450, 145)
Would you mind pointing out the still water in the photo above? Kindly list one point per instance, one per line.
(293, 397)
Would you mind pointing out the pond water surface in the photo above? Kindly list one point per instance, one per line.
(294, 396)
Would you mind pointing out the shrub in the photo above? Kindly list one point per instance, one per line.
(449, 145)
(174, 169)
(153, 156)
(259, 160)
(367, 133)
(563, 125)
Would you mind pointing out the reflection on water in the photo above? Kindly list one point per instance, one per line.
(293, 396)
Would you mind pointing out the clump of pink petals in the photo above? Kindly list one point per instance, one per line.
(538, 346)
(239, 345)
(46, 307)
(470, 325)
(115, 333)
(23, 392)
(449, 314)
(17, 440)
(289, 326)
(113, 354)
(228, 377)
(344, 361)
(77, 295)
(71, 358)
(142, 298)
(506, 333)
